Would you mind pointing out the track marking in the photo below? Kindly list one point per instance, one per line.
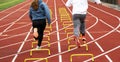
(109, 25)
(3, 4)
(58, 35)
(15, 43)
(99, 45)
(105, 12)
(54, 32)
(13, 36)
(13, 23)
(13, 12)
(111, 50)
(21, 46)
(13, 6)
(15, 29)
(109, 59)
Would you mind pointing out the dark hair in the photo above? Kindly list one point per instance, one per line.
(35, 5)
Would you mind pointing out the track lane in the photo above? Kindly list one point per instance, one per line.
(64, 45)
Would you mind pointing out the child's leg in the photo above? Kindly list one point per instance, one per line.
(41, 29)
(82, 26)
(76, 23)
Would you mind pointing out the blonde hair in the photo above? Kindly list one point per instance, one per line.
(35, 5)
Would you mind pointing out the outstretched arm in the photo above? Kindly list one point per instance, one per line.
(47, 13)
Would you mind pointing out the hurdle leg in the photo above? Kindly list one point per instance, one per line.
(73, 55)
(70, 46)
(36, 59)
(39, 50)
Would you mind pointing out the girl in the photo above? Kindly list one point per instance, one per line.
(79, 13)
(38, 13)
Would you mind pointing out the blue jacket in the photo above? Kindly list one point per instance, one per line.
(42, 12)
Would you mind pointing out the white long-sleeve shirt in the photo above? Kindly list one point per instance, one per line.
(79, 6)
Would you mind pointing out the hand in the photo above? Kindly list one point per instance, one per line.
(35, 34)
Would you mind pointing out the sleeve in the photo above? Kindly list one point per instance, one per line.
(47, 13)
(97, 1)
(68, 3)
(30, 14)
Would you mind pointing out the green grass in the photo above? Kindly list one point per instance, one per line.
(4, 4)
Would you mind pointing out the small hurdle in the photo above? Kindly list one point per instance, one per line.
(47, 37)
(70, 39)
(71, 46)
(69, 34)
(28, 59)
(68, 29)
(46, 31)
(48, 43)
(73, 55)
(50, 27)
(39, 50)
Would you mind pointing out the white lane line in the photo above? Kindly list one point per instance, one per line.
(99, 45)
(109, 59)
(59, 46)
(13, 6)
(12, 12)
(13, 44)
(21, 46)
(105, 12)
(19, 27)
(28, 39)
(13, 23)
(58, 35)
(108, 25)
(94, 23)
(111, 50)
(13, 36)
(16, 29)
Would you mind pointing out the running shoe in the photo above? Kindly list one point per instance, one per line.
(38, 47)
(77, 41)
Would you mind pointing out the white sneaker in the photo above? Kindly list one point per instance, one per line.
(38, 47)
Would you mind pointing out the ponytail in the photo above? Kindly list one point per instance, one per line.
(35, 5)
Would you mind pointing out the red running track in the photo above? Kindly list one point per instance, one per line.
(102, 33)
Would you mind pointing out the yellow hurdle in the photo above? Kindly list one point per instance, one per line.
(69, 33)
(50, 27)
(73, 55)
(68, 29)
(47, 32)
(48, 43)
(67, 25)
(39, 50)
(65, 22)
(64, 15)
(47, 37)
(28, 59)
(70, 39)
(70, 46)
(85, 44)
